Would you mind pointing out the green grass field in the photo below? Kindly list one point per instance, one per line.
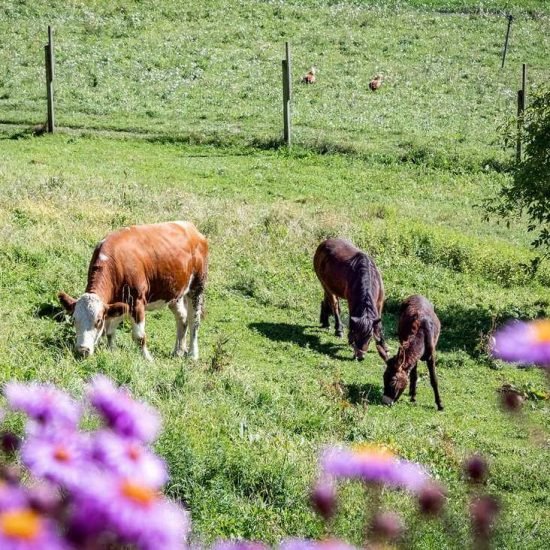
(401, 172)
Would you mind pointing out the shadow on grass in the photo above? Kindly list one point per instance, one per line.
(47, 310)
(361, 394)
(303, 335)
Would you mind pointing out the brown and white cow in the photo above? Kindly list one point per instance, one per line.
(139, 268)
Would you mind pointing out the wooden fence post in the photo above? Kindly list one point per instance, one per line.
(287, 93)
(522, 96)
(50, 70)
(510, 17)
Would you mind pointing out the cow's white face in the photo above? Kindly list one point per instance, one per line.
(89, 321)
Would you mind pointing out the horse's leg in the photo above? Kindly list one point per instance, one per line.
(414, 378)
(433, 379)
(381, 346)
(325, 312)
(335, 306)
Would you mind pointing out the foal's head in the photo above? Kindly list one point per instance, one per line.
(360, 333)
(396, 378)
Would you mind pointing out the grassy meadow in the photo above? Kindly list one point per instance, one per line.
(172, 111)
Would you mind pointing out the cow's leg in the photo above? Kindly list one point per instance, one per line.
(433, 379)
(111, 324)
(325, 312)
(381, 347)
(179, 309)
(414, 378)
(138, 330)
(195, 303)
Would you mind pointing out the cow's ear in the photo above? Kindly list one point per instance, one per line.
(67, 301)
(117, 309)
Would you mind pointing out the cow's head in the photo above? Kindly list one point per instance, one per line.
(89, 314)
(396, 378)
(360, 333)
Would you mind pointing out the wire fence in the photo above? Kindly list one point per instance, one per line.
(442, 87)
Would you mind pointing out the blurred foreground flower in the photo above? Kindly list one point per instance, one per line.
(374, 465)
(95, 489)
(526, 342)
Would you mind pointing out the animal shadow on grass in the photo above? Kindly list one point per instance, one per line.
(46, 310)
(304, 336)
(361, 394)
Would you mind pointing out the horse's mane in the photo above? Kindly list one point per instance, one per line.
(362, 266)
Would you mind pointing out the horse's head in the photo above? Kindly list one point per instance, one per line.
(360, 333)
(396, 378)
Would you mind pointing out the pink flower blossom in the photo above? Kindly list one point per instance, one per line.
(11, 495)
(63, 458)
(238, 545)
(128, 458)
(306, 544)
(43, 403)
(374, 465)
(123, 414)
(526, 342)
(136, 512)
(24, 529)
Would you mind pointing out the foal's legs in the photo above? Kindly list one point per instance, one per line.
(414, 378)
(433, 379)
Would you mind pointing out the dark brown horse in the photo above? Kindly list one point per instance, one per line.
(418, 332)
(347, 272)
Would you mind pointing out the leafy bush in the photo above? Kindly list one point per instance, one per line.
(529, 191)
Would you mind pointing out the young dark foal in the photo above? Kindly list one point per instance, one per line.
(418, 333)
(347, 272)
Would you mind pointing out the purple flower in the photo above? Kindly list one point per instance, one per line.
(136, 512)
(63, 458)
(305, 544)
(238, 545)
(11, 495)
(24, 529)
(374, 465)
(43, 403)
(128, 458)
(527, 342)
(122, 414)
(323, 498)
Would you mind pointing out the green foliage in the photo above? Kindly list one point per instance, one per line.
(529, 191)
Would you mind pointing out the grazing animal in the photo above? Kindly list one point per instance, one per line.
(418, 332)
(347, 272)
(139, 268)
(309, 77)
(375, 83)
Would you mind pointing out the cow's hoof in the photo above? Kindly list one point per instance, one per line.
(179, 353)
(440, 407)
(339, 334)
